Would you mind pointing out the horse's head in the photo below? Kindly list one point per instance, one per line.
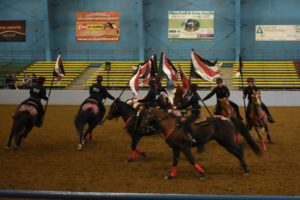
(114, 111)
(179, 96)
(256, 97)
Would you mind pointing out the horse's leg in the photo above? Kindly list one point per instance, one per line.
(10, 138)
(176, 155)
(186, 150)
(135, 138)
(236, 150)
(269, 138)
(256, 126)
(24, 135)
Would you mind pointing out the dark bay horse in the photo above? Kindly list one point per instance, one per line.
(259, 119)
(121, 109)
(24, 120)
(217, 129)
(86, 115)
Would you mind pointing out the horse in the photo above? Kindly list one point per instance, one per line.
(129, 114)
(24, 120)
(258, 118)
(179, 96)
(86, 115)
(217, 129)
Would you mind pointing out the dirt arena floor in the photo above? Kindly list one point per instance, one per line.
(49, 160)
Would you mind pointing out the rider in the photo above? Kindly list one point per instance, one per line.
(249, 91)
(195, 110)
(152, 98)
(159, 87)
(38, 92)
(222, 91)
(99, 92)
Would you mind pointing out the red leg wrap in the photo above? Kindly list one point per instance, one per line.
(138, 151)
(88, 136)
(173, 172)
(22, 140)
(198, 168)
(237, 139)
(132, 155)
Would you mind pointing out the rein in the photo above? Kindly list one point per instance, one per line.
(259, 117)
(127, 121)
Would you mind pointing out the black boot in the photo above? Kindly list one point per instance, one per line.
(271, 120)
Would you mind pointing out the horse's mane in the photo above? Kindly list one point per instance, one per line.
(126, 105)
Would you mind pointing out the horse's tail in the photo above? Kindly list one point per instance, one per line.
(82, 118)
(20, 122)
(245, 133)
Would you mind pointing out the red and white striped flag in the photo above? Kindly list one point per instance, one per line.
(184, 79)
(208, 73)
(59, 71)
(134, 81)
(145, 73)
(168, 68)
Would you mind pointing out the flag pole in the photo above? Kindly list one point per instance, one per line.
(242, 79)
(48, 96)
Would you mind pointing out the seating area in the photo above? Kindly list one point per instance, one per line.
(268, 74)
(72, 69)
(9, 68)
(121, 72)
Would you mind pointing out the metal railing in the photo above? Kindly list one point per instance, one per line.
(37, 194)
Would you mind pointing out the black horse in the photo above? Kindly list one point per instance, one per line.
(86, 115)
(24, 120)
(222, 131)
(129, 114)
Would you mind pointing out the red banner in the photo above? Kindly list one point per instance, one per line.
(98, 26)
(13, 31)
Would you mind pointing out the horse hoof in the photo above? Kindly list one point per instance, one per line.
(143, 154)
(17, 147)
(79, 147)
(129, 160)
(246, 174)
(7, 148)
(169, 177)
(202, 176)
(83, 142)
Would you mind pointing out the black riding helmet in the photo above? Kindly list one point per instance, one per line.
(250, 80)
(219, 80)
(41, 80)
(99, 78)
(193, 87)
(152, 83)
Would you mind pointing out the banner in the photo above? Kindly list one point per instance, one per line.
(13, 31)
(277, 32)
(98, 26)
(191, 25)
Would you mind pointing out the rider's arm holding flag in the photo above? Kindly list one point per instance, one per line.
(210, 94)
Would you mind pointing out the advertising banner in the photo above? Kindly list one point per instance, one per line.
(277, 32)
(98, 26)
(191, 25)
(13, 31)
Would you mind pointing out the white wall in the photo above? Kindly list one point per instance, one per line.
(75, 97)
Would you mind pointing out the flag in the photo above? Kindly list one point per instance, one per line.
(184, 79)
(59, 71)
(239, 71)
(206, 72)
(134, 81)
(166, 67)
(146, 71)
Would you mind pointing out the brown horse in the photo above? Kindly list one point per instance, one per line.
(259, 119)
(222, 131)
(24, 120)
(229, 112)
(179, 96)
(86, 115)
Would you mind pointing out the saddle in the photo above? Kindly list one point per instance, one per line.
(201, 120)
(91, 104)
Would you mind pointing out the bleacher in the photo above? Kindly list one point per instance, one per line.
(72, 69)
(122, 71)
(7, 68)
(268, 74)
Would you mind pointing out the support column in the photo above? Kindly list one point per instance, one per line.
(46, 30)
(237, 29)
(141, 38)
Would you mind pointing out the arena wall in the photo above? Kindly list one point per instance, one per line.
(56, 31)
(76, 97)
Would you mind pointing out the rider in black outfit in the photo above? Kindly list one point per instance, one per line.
(249, 91)
(195, 110)
(38, 92)
(222, 91)
(99, 92)
(152, 98)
